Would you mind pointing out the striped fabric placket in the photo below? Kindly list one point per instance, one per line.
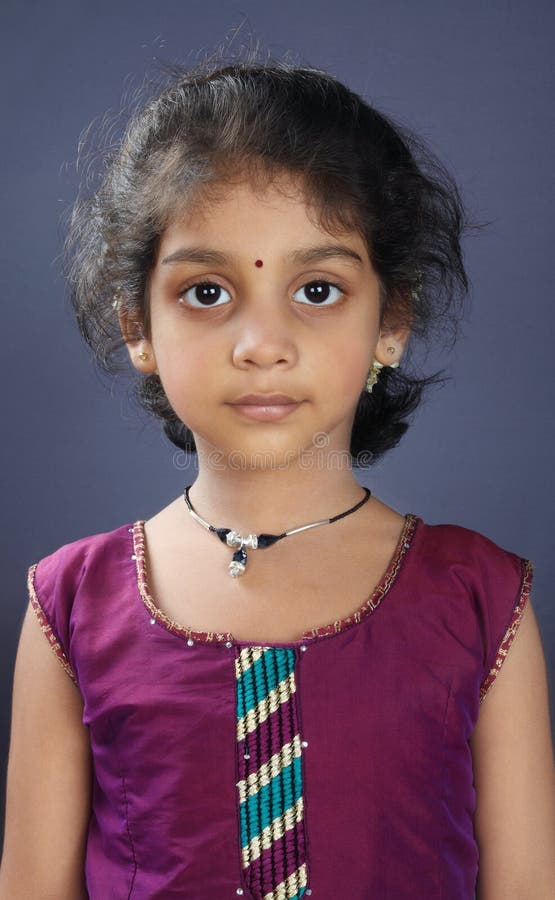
(270, 790)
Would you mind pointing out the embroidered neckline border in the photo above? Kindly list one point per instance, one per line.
(333, 628)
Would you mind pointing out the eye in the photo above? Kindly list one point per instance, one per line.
(206, 294)
(203, 295)
(319, 292)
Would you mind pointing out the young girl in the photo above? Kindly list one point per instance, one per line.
(277, 686)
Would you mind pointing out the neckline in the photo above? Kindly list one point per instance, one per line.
(412, 521)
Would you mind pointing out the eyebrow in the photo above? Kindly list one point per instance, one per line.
(205, 256)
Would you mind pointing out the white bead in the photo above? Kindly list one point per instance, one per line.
(152, 621)
(247, 756)
(228, 644)
(302, 647)
(308, 892)
(304, 743)
(130, 530)
(190, 642)
(239, 891)
(407, 545)
(133, 557)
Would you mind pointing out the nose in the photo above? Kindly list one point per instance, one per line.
(265, 338)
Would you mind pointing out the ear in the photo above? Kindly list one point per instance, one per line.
(395, 329)
(139, 347)
(391, 344)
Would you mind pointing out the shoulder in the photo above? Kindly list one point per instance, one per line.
(72, 557)
(482, 581)
(74, 569)
(469, 553)
(455, 539)
(54, 581)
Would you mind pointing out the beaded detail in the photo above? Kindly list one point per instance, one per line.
(270, 789)
(226, 638)
(53, 640)
(380, 591)
(518, 612)
(155, 612)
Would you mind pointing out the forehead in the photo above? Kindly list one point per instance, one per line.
(267, 215)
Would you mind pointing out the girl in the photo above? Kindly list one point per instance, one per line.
(277, 686)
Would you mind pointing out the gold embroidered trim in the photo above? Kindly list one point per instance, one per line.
(382, 588)
(518, 612)
(155, 612)
(55, 645)
(339, 625)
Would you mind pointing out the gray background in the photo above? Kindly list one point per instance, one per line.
(472, 78)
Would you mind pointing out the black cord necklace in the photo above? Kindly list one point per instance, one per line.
(232, 538)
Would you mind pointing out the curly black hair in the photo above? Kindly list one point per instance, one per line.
(216, 122)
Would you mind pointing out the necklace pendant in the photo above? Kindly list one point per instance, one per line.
(238, 563)
(234, 539)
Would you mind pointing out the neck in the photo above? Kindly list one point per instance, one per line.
(272, 500)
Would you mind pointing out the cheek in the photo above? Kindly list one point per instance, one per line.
(348, 365)
(181, 356)
(187, 373)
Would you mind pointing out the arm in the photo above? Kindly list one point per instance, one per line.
(49, 778)
(514, 776)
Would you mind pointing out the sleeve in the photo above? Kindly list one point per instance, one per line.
(51, 585)
(506, 587)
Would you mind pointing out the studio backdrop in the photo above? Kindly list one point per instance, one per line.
(473, 79)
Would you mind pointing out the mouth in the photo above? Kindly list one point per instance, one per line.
(265, 412)
(264, 400)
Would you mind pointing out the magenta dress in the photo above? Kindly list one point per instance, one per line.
(334, 766)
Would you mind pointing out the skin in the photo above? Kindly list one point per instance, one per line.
(263, 342)
(264, 336)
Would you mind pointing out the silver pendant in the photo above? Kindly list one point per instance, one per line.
(236, 567)
(238, 564)
(234, 539)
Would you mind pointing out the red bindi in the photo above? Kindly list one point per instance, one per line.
(259, 263)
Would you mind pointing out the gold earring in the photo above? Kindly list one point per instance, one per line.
(144, 356)
(373, 374)
(375, 370)
(117, 298)
(391, 349)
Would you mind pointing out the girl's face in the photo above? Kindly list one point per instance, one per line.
(248, 295)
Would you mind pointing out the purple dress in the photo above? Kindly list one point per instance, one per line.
(337, 765)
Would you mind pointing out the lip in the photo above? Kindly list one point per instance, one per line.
(264, 400)
(265, 412)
